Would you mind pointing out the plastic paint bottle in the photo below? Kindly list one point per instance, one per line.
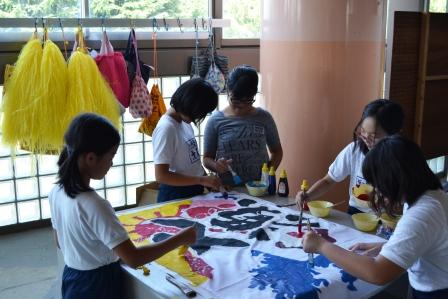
(272, 181)
(283, 188)
(265, 174)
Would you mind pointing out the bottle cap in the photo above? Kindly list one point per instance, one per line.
(304, 185)
(265, 167)
(272, 171)
(283, 174)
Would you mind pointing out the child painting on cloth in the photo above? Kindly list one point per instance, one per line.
(177, 161)
(240, 135)
(379, 119)
(397, 170)
(85, 225)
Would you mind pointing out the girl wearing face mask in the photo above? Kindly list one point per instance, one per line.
(379, 119)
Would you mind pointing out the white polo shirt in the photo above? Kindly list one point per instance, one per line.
(420, 242)
(87, 229)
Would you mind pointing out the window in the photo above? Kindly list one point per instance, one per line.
(26, 180)
(147, 9)
(37, 9)
(438, 6)
(245, 17)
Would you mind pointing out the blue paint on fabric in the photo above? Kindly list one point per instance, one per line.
(290, 278)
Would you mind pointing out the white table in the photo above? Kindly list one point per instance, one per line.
(155, 285)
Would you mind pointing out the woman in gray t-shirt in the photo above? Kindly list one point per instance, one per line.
(241, 135)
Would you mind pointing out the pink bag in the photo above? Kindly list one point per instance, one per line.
(140, 103)
(113, 68)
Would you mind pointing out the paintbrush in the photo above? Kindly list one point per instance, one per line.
(185, 289)
(310, 255)
(223, 191)
(236, 178)
(303, 187)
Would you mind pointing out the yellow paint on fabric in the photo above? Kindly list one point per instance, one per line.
(173, 260)
(167, 210)
(176, 262)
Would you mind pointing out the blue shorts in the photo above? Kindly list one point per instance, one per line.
(352, 210)
(100, 283)
(167, 192)
(439, 294)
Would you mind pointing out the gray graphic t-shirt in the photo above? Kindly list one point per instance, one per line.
(243, 139)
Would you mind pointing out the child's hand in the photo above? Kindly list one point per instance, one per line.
(222, 165)
(189, 235)
(301, 198)
(211, 181)
(369, 249)
(312, 242)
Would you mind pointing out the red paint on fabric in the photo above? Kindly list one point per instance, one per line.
(198, 265)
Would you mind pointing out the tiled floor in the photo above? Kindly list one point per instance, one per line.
(28, 265)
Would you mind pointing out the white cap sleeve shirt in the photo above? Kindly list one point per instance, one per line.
(87, 229)
(174, 144)
(349, 163)
(420, 242)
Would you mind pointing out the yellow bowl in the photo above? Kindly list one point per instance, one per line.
(365, 221)
(320, 208)
(388, 221)
(256, 188)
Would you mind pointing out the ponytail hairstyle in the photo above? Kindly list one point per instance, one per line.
(389, 116)
(88, 132)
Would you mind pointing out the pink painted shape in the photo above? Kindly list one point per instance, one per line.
(218, 230)
(148, 229)
(198, 265)
(215, 203)
(201, 212)
(200, 209)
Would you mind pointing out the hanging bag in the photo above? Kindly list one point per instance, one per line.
(200, 64)
(214, 75)
(132, 62)
(113, 68)
(158, 105)
(140, 102)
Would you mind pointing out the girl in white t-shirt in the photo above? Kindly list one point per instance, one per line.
(85, 225)
(177, 160)
(399, 173)
(379, 119)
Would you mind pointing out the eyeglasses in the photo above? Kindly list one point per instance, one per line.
(369, 136)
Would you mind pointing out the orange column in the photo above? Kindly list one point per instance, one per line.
(321, 62)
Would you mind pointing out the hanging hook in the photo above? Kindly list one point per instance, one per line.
(180, 25)
(195, 22)
(60, 23)
(204, 24)
(79, 22)
(63, 37)
(103, 27)
(36, 21)
(155, 25)
(45, 30)
(165, 24)
(132, 23)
